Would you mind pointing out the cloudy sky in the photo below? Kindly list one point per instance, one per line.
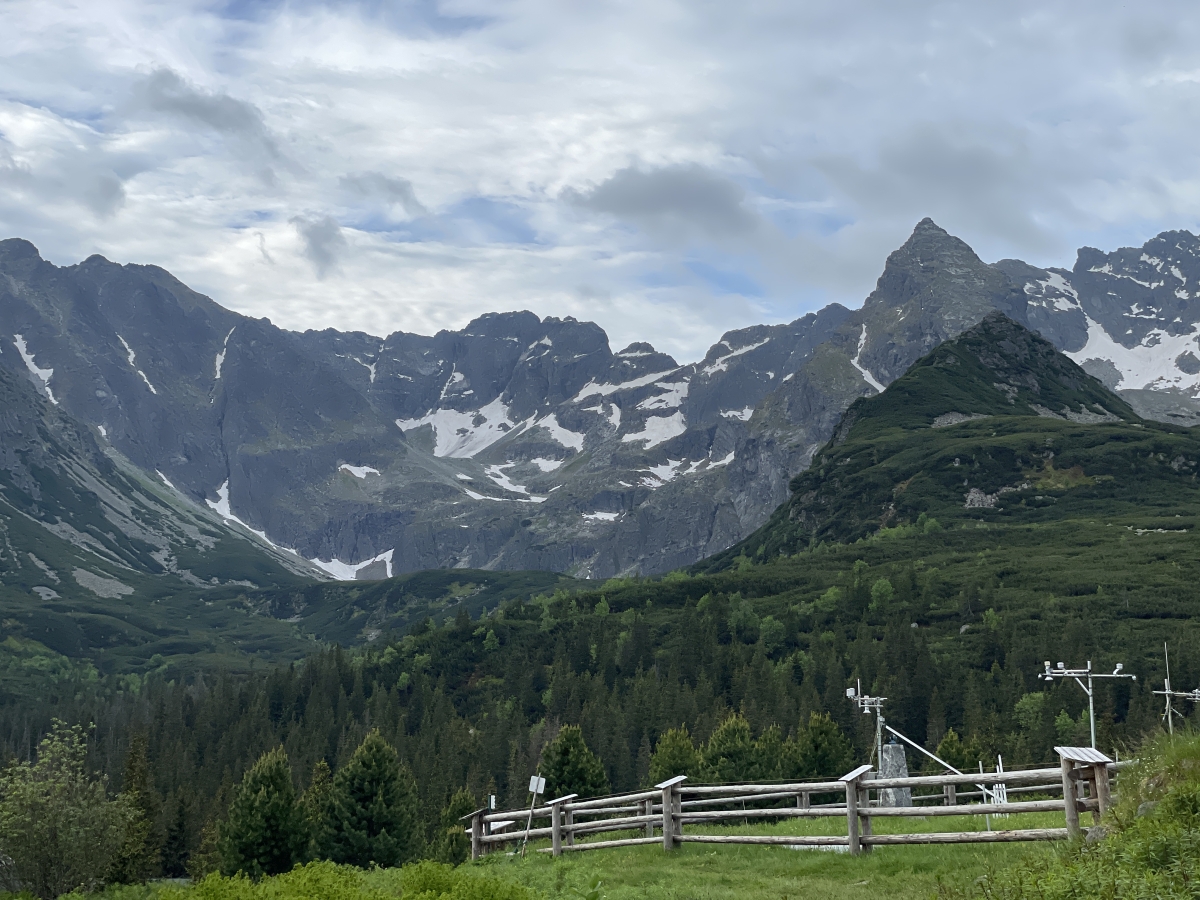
(667, 169)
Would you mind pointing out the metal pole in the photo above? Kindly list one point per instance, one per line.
(1167, 685)
(1091, 706)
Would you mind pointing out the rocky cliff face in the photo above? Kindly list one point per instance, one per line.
(84, 534)
(519, 442)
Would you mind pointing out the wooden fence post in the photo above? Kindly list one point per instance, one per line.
(951, 794)
(556, 822)
(850, 780)
(1103, 790)
(671, 808)
(476, 822)
(569, 815)
(648, 810)
(1069, 802)
(1078, 763)
(864, 803)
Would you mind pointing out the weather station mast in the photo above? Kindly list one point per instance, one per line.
(1169, 714)
(1061, 671)
(867, 704)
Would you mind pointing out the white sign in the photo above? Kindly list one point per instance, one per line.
(537, 785)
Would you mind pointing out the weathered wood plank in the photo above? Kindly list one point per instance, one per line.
(969, 837)
(798, 840)
(601, 845)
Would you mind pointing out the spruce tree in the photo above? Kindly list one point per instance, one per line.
(453, 844)
(822, 751)
(571, 768)
(730, 754)
(265, 832)
(315, 805)
(373, 810)
(675, 754)
(139, 857)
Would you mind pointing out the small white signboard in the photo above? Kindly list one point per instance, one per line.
(537, 785)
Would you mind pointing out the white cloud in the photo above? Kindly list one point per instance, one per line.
(670, 170)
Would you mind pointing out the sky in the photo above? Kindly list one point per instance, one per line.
(670, 170)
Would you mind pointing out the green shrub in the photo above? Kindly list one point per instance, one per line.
(1149, 846)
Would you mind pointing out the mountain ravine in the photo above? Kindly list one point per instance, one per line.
(527, 443)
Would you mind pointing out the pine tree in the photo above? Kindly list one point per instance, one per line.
(373, 809)
(822, 751)
(729, 754)
(175, 843)
(315, 805)
(139, 857)
(571, 768)
(452, 845)
(265, 832)
(675, 754)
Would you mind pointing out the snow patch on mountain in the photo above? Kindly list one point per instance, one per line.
(1149, 364)
(225, 511)
(572, 439)
(721, 364)
(604, 390)
(601, 516)
(856, 362)
(349, 571)
(460, 435)
(742, 415)
(220, 360)
(42, 374)
(547, 465)
(358, 471)
(658, 429)
(675, 393)
(133, 363)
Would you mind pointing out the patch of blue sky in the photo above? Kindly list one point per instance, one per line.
(725, 281)
(406, 231)
(486, 221)
(794, 219)
(413, 17)
(249, 218)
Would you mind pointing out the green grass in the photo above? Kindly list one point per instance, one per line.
(733, 872)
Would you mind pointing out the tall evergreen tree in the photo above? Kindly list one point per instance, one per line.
(315, 803)
(822, 751)
(571, 768)
(373, 810)
(675, 754)
(139, 857)
(730, 753)
(265, 832)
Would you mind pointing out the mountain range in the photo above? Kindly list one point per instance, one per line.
(524, 443)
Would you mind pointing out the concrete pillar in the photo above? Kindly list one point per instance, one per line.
(894, 765)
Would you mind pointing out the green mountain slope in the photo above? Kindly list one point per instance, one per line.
(99, 561)
(994, 427)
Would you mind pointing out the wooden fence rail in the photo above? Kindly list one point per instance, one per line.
(661, 814)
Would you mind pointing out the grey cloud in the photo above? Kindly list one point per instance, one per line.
(686, 198)
(992, 182)
(323, 242)
(67, 174)
(165, 91)
(392, 190)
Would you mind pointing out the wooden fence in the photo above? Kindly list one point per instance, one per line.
(662, 815)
